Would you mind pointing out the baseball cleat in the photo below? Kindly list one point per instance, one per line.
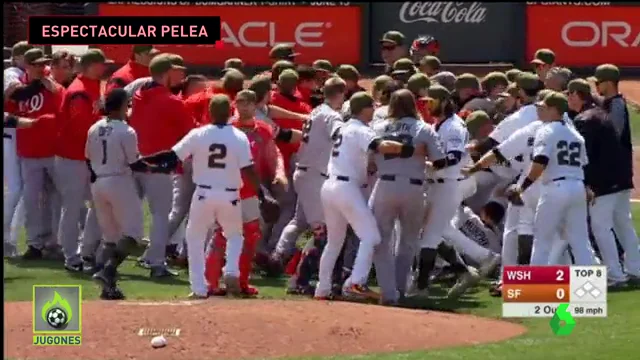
(32, 254)
(359, 293)
(162, 272)
(496, 290)
(75, 268)
(194, 296)
(462, 285)
(301, 290)
(616, 284)
(232, 285)
(112, 293)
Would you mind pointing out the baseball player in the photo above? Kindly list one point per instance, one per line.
(13, 207)
(264, 151)
(393, 46)
(543, 61)
(445, 193)
(398, 193)
(558, 159)
(112, 154)
(221, 158)
(424, 45)
(310, 174)
(36, 147)
(514, 239)
(343, 200)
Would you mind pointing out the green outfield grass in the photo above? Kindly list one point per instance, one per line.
(592, 339)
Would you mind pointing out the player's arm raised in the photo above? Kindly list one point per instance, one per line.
(513, 146)
(278, 112)
(168, 160)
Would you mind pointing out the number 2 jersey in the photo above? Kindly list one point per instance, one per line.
(565, 149)
(317, 133)
(112, 145)
(407, 131)
(350, 152)
(219, 152)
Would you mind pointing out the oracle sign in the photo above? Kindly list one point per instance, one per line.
(260, 34)
(468, 32)
(603, 33)
(585, 35)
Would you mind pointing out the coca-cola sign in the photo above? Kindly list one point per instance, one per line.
(443, 12)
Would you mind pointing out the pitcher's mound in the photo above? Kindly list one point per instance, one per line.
(246, 329)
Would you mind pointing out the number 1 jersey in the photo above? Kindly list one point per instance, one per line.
(219, 152)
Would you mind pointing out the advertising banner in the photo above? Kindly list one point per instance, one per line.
(585, 35)
(468, 32)
(249, 32)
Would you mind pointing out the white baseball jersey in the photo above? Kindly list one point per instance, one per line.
(112, 145)
(316, 144)
(454, 137)
(564, 147)
(520, 144)
(380, 114)
(136, 84)
(350, 151)
(219, 152)
(512, 123)
(471, 225)
(12, 76)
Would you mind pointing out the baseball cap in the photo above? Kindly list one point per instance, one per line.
(404, 64)
(261, 85)
(438, 92)
(36, 56)
(446, 79)
(247, 95)
(348, 72)
(418, 82)
(558, 73)
(544, 57)
(233, 63)
(219, 106)
(322, 65)
(393, 37)
(431, 61)
(512, 74)
(288, 76)
(606, 72)
(542, 94)
(528, 81)
(165, 62)
(279, 66)
(360, 101)
(93, 56)
(20, 48)
(555, 100)
(381, 82)
(142, 49)
(475, 121)
(580, 86)
(282, 52)
(493, 79)
(467, 81)
(402, 75)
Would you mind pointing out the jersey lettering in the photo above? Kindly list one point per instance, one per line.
(102, 132)
(218, 152)
(34, 104)
(337, 141)
(569, 153)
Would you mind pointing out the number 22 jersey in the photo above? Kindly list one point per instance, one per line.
(564, 147)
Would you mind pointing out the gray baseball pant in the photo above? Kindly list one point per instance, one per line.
(72, 177)
(39, 193)
(183, 188)
(396, 198)
(287, 201)
(157, 189)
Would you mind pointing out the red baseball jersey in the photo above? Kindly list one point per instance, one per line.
(126, 74)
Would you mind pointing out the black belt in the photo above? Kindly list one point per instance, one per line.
(441, 180)
(393, 178)
(7, 136)
(305, 168)
(559, 178)
(346, 179)
(208, 187)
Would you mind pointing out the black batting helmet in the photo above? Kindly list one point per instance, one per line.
(425, 43)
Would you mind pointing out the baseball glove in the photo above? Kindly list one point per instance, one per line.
(513, 195)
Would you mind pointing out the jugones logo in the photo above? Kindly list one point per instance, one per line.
(57, 312)
(57, 315)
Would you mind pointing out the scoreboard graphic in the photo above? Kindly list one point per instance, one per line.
(537, 291)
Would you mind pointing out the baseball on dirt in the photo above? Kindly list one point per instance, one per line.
(158, 342)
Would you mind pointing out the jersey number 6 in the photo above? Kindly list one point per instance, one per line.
(337, 141)
(568, 153)
(217, 153)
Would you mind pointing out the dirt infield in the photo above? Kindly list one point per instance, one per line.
(249, 329)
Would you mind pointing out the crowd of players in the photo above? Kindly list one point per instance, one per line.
(429, 170)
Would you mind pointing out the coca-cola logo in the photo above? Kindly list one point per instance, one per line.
(443, 12)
